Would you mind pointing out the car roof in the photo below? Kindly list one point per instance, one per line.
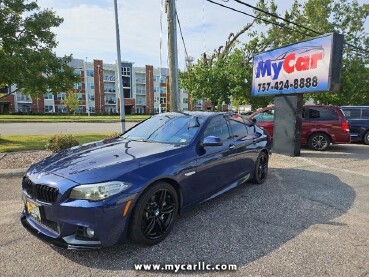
(354, 107)
(197, 113)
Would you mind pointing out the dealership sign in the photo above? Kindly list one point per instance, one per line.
(308, 66)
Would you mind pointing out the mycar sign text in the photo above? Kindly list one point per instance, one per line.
(308, 66)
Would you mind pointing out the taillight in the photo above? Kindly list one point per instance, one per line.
(345, 126)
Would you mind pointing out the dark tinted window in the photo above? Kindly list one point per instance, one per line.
(217, 127)
(166, 129)
(365, 113)
(238, 126)
(352, 113)
(322, 114)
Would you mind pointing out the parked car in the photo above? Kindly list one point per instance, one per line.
(135, 185)
(358, 118)
(321, 125)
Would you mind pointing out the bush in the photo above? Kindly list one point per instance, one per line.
(113, 135)
(60, 142)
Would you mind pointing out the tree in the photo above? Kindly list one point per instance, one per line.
(221, 77)
(71, 101)
(213, 77)
(326, 16)
(26, 50)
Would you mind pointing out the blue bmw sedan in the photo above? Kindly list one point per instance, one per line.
(134, 186)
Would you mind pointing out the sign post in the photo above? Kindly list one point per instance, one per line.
(288, 72)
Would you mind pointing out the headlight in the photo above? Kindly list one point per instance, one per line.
(98, 191)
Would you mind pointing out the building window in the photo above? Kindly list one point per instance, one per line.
(163, 100)
(48, 96)
(78, 109)
(163, 90)
(78, 86)
(79, 96)
(156, 99)
(185, 100)
(90, 73)
(91, 85)
(49, 109)
(61, 96)
(92, 97)
(126, 71)
(156, 110)
(92, 109)
(163, 110)
(62, 109)
(78, 72)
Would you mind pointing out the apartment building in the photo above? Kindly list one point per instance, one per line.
(145, 90)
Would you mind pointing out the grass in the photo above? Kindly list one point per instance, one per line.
(37, 142)
(5, 118)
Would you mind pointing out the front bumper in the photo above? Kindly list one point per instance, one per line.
(105, 218)
(59, 242)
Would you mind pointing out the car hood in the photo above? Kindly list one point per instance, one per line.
(96, 158)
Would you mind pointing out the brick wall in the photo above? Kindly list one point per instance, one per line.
(99, 86)
(149, 89)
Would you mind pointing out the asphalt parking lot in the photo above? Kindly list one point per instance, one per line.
(310, 218)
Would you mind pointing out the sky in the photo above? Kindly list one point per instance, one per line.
(88, 30)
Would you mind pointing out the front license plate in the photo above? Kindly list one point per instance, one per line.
(33, 210)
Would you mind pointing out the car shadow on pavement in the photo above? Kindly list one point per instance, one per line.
(240, 226)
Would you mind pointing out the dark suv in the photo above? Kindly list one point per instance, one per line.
(358, 118)
(321, 125)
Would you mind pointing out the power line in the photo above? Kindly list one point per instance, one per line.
(279, 17)
(296, 24)
(253, 16)
(180, 30)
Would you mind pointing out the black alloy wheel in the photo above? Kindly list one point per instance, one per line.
(154, 214)
(261, 168)
(319, 142)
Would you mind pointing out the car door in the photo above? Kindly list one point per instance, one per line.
(214, 163)
(244, 152)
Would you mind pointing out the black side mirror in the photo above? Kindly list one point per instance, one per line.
(212, 141)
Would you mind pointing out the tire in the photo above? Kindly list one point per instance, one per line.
(153, 218)
(319, 142)
(261, 168)
(366, 137)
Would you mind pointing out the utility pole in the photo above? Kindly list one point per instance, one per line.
(119, 68)
(173, 55)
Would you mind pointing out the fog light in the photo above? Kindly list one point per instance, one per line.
(90, 232)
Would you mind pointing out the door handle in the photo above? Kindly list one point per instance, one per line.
(232, 146)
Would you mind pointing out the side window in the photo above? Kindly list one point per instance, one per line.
(352, 113)
(218, 127)
(365, 113)
(238, 126)
(322, 114)
(267, 115)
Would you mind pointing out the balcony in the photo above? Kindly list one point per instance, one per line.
(141, 91)
(141, 80)
(140, 103)
(24, 99)
(110, 102)
(108, 78)
(109, 90)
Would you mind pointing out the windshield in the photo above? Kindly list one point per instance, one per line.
(166, 129)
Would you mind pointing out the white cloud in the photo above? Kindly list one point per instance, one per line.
(89, 31)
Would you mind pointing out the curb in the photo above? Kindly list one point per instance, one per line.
(8, 173)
